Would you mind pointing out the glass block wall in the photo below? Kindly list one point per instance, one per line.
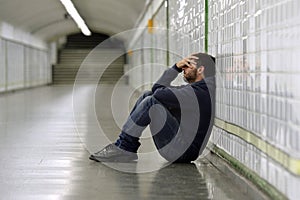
(256, 45)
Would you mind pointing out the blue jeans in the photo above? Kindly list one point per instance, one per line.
(163, 125)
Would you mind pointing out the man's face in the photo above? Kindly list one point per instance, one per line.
(190, 73)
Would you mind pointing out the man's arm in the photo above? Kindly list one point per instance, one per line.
(170, 74)
(167, 77)
(162, 89)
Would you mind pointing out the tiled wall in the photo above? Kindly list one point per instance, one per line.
(186, 23)
(22, 66)
(149, 53)
(136, 58)
(257, 46)
(258, 85)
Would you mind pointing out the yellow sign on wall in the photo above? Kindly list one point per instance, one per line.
(150, 26)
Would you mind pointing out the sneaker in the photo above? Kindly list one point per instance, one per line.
(112, 153)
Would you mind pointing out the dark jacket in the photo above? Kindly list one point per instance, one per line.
(191, 104)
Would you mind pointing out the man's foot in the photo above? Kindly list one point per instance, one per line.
(111, 153)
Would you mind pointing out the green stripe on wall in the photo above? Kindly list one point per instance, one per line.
(262, 184)
(288, 162)
(206, 27)
(168, 26)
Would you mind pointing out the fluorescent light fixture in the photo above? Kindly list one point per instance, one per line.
(76, 17)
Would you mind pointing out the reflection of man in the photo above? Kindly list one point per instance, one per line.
(179, 116)
(190, 175)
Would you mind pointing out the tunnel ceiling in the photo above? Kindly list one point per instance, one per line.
(46, 18)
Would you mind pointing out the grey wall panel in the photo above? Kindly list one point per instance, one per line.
(22, 66)
(2, 65)
(15, 66)
(27, 67)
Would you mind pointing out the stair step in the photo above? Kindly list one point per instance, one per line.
(80, 54)
(70, 61)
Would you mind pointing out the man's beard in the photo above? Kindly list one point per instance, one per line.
(191, 77)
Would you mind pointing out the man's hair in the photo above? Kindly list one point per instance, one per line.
(208, 62)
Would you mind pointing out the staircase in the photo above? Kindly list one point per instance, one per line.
(101, 66)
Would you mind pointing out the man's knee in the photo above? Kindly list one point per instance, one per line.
(151, 99)
(147, 93)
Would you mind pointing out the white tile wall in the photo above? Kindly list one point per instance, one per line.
(160, 48)
(150, 53)
(257, 46)
(136, 80)
(147, 59)
(186, 24)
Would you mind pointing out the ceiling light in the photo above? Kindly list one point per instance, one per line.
(76, 17)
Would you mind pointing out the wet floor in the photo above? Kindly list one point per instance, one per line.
(47, 134)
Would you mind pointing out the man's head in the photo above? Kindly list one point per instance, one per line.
(200, 68)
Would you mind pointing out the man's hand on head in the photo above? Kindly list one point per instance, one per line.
(187, 62)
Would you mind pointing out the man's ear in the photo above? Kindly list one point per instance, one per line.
(201, 69)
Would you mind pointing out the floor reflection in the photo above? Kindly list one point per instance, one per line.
(179, 181)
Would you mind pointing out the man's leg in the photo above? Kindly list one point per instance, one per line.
(164, 128)
(137, 121)
(140, 99)
(126, 146)
(173, 145)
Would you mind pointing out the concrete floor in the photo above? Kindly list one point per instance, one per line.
(46, 134)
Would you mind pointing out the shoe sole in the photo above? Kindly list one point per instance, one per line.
(93, 158)
(116, 159)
